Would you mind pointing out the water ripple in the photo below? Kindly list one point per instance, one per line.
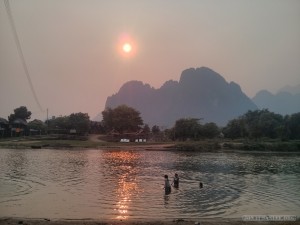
(129, 184)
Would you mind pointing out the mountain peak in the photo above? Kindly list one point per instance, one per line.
(291, 89)
(134, 85)
(200, 93)
(282, 102)
(200, 75)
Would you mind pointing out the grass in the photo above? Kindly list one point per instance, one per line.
(209, 145)
(64, 141)
(199, 146)
(264, 145)
(241, 144)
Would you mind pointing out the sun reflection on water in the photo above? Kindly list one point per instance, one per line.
(125, 191)
(127, 184)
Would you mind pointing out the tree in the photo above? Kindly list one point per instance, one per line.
(122, 119)
(187, 129)
(157, 135)
(61, 123)
(96, 127)
(270, 124)
(80, 122)
(20, 113)
(257, 124)
(146, 129)
(235, 129)
(107, 120)
(155, 130)
(77, 121)
(294, 126)
(37, 125)
(263, 123)
(251, 119)
(210, 130)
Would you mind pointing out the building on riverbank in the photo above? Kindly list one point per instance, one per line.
(4, 126)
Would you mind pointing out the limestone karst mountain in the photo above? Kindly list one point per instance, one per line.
(283, 102)
(200, 93)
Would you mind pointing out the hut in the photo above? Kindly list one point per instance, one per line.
(18, 127)
(138, 136)
(3, 127)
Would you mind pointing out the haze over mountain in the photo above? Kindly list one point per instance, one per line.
(285, 101)
(200, 93)
(290, 89)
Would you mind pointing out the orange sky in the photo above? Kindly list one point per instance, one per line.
(73, 48)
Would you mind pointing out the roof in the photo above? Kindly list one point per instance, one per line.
(20, 121)
(3, 121)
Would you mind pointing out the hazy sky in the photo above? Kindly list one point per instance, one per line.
(73, 48)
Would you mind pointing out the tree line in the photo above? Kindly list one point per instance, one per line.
(17, 123)
(264, 124)
(124, 119)
(255, 125)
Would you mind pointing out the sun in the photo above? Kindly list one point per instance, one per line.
(127, 47)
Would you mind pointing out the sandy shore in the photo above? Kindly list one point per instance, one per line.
(22, 221)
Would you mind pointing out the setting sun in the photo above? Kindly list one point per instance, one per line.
(127, 48)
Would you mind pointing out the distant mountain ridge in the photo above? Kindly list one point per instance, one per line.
(284, 102)
(290, 89)
(200, 93)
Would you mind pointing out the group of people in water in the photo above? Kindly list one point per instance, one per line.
(175, 183)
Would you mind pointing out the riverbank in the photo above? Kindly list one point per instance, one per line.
(22, 221)
(95, 142)
(77, 142)
(239, 145)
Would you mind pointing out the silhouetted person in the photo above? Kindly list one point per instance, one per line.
(167, 185)
(176, 181)
(201, 185)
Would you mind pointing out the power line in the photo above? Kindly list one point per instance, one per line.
(16, 37)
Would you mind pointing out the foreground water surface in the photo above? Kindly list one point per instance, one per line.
(116, 184)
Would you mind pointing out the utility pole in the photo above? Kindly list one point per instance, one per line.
(47, 122)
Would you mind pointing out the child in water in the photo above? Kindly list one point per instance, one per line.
(167, 185)
(201, 185)
(176, 181)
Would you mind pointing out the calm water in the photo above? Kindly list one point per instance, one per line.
(107, 184)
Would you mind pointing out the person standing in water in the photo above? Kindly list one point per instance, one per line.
(176, 181)
(201, 185)
(167, 185)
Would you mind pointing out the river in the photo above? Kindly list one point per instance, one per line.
(124, 184)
